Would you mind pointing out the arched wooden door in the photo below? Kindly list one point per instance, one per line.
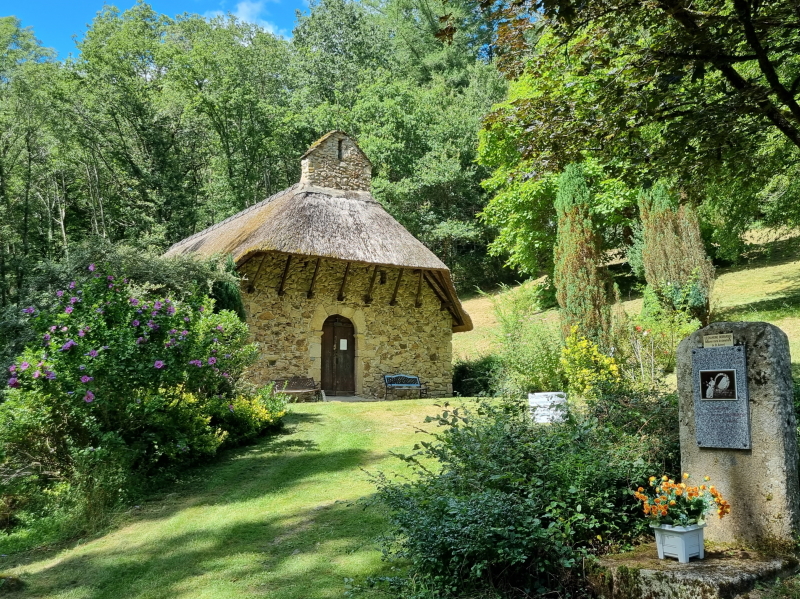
(338, 356)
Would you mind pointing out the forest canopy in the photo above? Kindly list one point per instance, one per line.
(160, 127)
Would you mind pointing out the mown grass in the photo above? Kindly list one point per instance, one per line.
(766, 288)
(285, 518)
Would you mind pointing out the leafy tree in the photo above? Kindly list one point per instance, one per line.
(580, 285)
(705, 94)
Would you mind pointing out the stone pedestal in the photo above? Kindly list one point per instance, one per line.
(761, 482)
(728, 574)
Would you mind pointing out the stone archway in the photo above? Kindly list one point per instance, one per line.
(321, 314)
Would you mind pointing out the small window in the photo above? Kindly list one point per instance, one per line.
(341, 141)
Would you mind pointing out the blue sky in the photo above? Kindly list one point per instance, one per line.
(56, 22)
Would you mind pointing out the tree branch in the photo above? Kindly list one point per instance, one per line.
(743, 10)
(676, 10)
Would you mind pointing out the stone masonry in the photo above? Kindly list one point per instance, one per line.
(389, 339)
(761, 483)
(336, 162)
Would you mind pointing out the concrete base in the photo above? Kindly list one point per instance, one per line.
(729, 574)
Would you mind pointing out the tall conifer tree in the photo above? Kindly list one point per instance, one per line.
(581, 288)
(676, 265)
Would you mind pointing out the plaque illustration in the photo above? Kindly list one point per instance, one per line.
(718, 384)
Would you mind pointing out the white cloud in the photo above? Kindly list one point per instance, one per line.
(252, 12)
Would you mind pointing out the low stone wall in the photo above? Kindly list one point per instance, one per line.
(389, 339)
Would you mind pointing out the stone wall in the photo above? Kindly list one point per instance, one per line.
(389, 339)
(322, 167)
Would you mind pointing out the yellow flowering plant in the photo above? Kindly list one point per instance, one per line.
(666, 502)
(585, 366)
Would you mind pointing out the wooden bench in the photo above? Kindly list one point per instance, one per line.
(404, 381)
(299, 385)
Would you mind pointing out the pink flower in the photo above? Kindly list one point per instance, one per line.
(211, 361)
(24, 366)
(68, 345)
(68, 309)
(12, 368)
(134, 301)
(89, 397)
(91, 267)
(72, 285)
(86, 379)
(81, 332)
(36, 374)
(59, 293)
(13, 382)
(159, 364)
(29, 310)
(135, 323)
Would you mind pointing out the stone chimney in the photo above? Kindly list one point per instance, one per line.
(335, 161)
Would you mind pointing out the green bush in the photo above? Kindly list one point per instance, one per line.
(476, 378)
(645, 345)
(121, 384)
(515, 506)
(530, 344)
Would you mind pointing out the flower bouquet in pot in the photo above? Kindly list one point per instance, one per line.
(677, 512)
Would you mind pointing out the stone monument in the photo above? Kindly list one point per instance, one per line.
(737, 426)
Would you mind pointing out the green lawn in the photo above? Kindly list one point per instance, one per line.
(280, 519)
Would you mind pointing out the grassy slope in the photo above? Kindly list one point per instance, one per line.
(767, 288)
(277, 519)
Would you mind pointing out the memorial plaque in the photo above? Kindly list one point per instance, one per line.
(721, 403)
(721, 340)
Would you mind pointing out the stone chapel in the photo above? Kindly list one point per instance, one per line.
(335, 288)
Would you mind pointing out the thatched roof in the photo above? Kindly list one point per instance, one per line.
(324, 222)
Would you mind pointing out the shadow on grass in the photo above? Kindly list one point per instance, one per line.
(266, 556)
(771, 308)
(273, 465)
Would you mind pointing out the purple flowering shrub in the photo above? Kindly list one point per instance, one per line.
(123, 379)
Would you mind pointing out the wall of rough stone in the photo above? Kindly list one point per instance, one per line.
(323, 168)
(389, 339)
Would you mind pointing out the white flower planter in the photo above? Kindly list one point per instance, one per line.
(683, 542)
(548, 407)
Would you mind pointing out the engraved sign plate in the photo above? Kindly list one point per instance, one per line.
(721, 340)
(721, 403)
